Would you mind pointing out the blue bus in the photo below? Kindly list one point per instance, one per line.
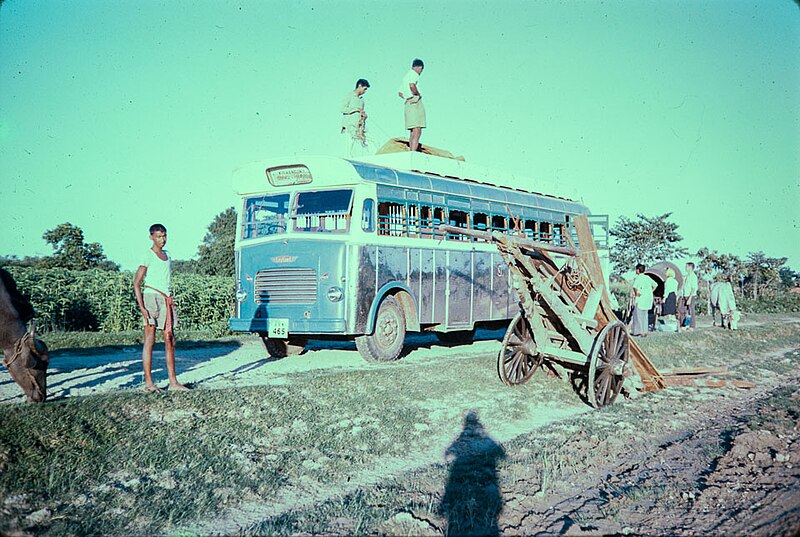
(334, 248)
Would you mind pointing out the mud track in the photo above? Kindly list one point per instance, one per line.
(733, 469)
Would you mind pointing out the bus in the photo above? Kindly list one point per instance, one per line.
(334, 248)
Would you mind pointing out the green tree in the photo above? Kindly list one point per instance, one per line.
(72, 252)
(645, 240)
(789, 278)
(762, 273)
(215, 254)
(720, 266)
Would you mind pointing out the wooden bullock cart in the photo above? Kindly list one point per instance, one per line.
(565, 321)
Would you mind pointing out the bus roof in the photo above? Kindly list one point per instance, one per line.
(414, 161)
(407, 169)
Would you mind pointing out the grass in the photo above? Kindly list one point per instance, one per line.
(101, 341)
(365, 443)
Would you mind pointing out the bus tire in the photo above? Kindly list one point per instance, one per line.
(386, 341)
(281, 348)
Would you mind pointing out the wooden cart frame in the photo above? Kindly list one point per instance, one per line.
(565, 321)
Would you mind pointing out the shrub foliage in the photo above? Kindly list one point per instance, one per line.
(99, 300)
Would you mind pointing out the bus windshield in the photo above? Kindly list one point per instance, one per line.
(323, 211)
(264, 216)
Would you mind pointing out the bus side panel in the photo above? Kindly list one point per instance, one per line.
(501, 292)
(459, 304)
(482, 286)
(414, 274)
(366, 275)
(440, 287)
(392, 265)
(425, 298)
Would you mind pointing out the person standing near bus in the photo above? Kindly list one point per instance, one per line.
(354, 118)
(688, 298)
(414, 109)
(155, 303)
(643, 287)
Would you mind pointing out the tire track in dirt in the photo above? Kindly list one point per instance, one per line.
(714, 476)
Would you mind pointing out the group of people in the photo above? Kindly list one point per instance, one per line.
(680, 302)
(354, 117)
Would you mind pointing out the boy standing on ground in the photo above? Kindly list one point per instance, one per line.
(155, 303)
(643, 287)
(687, 302)
(414, 110)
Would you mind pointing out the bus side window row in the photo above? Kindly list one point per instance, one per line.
(397, 219)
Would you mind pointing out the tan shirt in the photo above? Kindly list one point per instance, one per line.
(351, 103)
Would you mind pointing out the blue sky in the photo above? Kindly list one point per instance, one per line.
(115, 115)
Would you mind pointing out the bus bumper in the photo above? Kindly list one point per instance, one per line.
(296, 326)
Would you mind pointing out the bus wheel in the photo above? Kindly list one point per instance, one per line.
(281, 348)
(386, 342)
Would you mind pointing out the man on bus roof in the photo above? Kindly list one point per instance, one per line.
(354, 118)
(414, 110)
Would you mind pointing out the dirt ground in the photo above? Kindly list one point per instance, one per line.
(733, 469)
(726, 462)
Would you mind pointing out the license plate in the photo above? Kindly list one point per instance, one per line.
(278, 328)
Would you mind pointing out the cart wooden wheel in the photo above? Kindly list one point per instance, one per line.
(607, 361)
(518, 358)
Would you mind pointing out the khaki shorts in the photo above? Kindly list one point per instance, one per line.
(415, 113)
(156, 306)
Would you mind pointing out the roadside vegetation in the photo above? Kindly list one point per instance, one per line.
(343, 451)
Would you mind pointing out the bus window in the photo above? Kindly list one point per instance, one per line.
(458, 219)
(264, 216)
(368, 216)
(438, 219)
(390, 218)
(499, 223)
(544, 232)
(426, 221)
(323, 211)
(413, 221)
(558, 235)
(530, 229)
(480, 221)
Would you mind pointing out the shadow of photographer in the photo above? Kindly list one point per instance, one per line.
(472, 499)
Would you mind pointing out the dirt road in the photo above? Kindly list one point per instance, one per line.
(242, 362)
(533, 460)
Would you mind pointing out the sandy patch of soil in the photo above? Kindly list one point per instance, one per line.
(733, 469)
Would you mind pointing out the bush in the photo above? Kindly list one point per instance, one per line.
(97, 300)
(783, 303)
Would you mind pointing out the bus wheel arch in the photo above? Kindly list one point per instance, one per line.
(385, 342)
(409, 306)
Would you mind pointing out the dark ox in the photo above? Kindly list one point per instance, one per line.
(24, 356)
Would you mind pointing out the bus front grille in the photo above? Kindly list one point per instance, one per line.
(286, 286)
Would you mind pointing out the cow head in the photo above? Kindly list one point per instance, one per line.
(27, 362)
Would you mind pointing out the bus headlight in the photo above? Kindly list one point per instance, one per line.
(241, 295)
(335, 294)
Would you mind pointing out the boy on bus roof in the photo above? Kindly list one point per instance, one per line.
(354, 118)
(157, 307)
(414, 109)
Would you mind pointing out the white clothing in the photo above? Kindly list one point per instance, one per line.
(158, 272)
(670, 286)
(412, 77)
(689, 284)
(645, 285)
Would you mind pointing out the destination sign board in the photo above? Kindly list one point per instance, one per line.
(288, 175)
